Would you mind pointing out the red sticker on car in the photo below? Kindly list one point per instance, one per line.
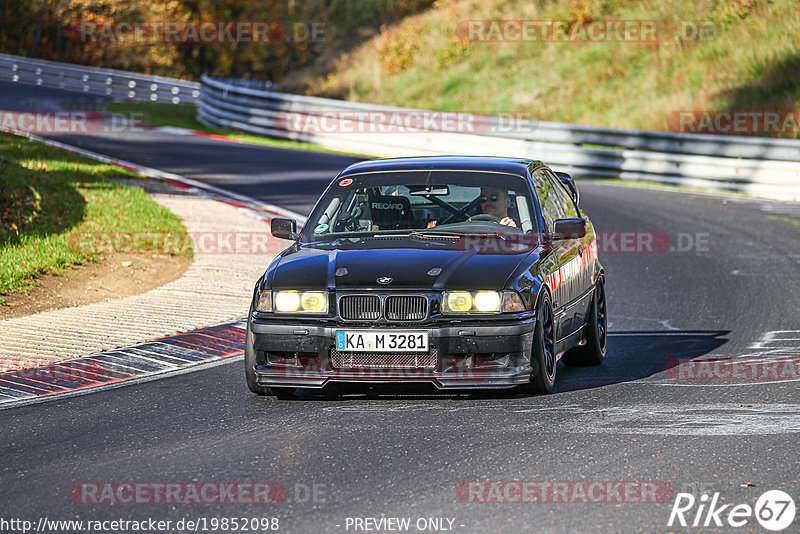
(345, 182)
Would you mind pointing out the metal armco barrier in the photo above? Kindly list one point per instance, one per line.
(116, 84)
(763, 166)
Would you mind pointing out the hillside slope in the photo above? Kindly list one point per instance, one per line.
(747, 59)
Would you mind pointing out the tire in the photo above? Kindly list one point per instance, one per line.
(250, 372)
(594, 351)
(543, 354)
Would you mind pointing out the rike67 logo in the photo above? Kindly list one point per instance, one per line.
(774, 510)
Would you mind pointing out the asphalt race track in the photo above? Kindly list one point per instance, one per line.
(725, 286)
(288, 178)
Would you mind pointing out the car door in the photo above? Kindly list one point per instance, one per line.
(563, 261)
(580, 268)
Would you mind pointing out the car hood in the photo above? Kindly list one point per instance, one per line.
(409, 267)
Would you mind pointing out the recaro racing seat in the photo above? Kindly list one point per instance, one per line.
(390, 212)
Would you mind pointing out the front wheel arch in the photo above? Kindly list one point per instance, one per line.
(543, 361)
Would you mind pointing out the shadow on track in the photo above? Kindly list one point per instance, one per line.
(632, 355)
(638, 354)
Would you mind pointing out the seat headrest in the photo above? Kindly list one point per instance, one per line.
(390, 212)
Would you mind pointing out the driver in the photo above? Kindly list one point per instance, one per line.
(495, 202)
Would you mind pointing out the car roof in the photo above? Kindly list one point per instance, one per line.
(515, 166)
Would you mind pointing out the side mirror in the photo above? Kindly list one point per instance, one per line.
(568, 229)
(568, 181)
(284, 228)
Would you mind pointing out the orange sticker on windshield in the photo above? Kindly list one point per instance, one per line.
(345, 182)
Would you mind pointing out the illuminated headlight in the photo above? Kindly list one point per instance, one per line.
(287, 301)
(457, 301)
(314, 302)
(487, 301)
(301, 301)
(478, 302)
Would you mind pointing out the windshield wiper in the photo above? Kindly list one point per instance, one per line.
(454, 235)
(498, 235)
(432, 235)
(330, 240)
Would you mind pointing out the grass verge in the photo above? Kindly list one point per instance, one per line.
(709, 55)
(789, 220)
(58, 209)
(185, 116)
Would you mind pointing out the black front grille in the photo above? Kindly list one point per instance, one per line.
(360, 307)
(384, 360)
(406, 308)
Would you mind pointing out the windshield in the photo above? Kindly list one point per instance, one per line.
(442, 202)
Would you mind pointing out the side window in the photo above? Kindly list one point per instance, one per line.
(561, 191)
(553, 206)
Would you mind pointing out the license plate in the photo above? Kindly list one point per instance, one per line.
(377, 341)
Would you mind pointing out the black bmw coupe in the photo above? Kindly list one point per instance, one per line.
(461, 272)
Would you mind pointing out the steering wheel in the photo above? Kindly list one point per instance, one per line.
(486, 217)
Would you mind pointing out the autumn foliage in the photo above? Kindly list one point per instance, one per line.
(49, 29)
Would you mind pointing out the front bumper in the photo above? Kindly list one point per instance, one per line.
(484, 355)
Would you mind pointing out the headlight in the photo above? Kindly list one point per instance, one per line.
(481, 302)
(487, 301)
(457, 301)
(314, 301)
(301, 301)
(287, 301)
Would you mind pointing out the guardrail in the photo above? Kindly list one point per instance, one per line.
(762, 166)
(117, 84)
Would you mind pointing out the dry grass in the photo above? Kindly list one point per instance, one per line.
(751, 63)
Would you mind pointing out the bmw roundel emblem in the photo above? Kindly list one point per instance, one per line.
(383, 280)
